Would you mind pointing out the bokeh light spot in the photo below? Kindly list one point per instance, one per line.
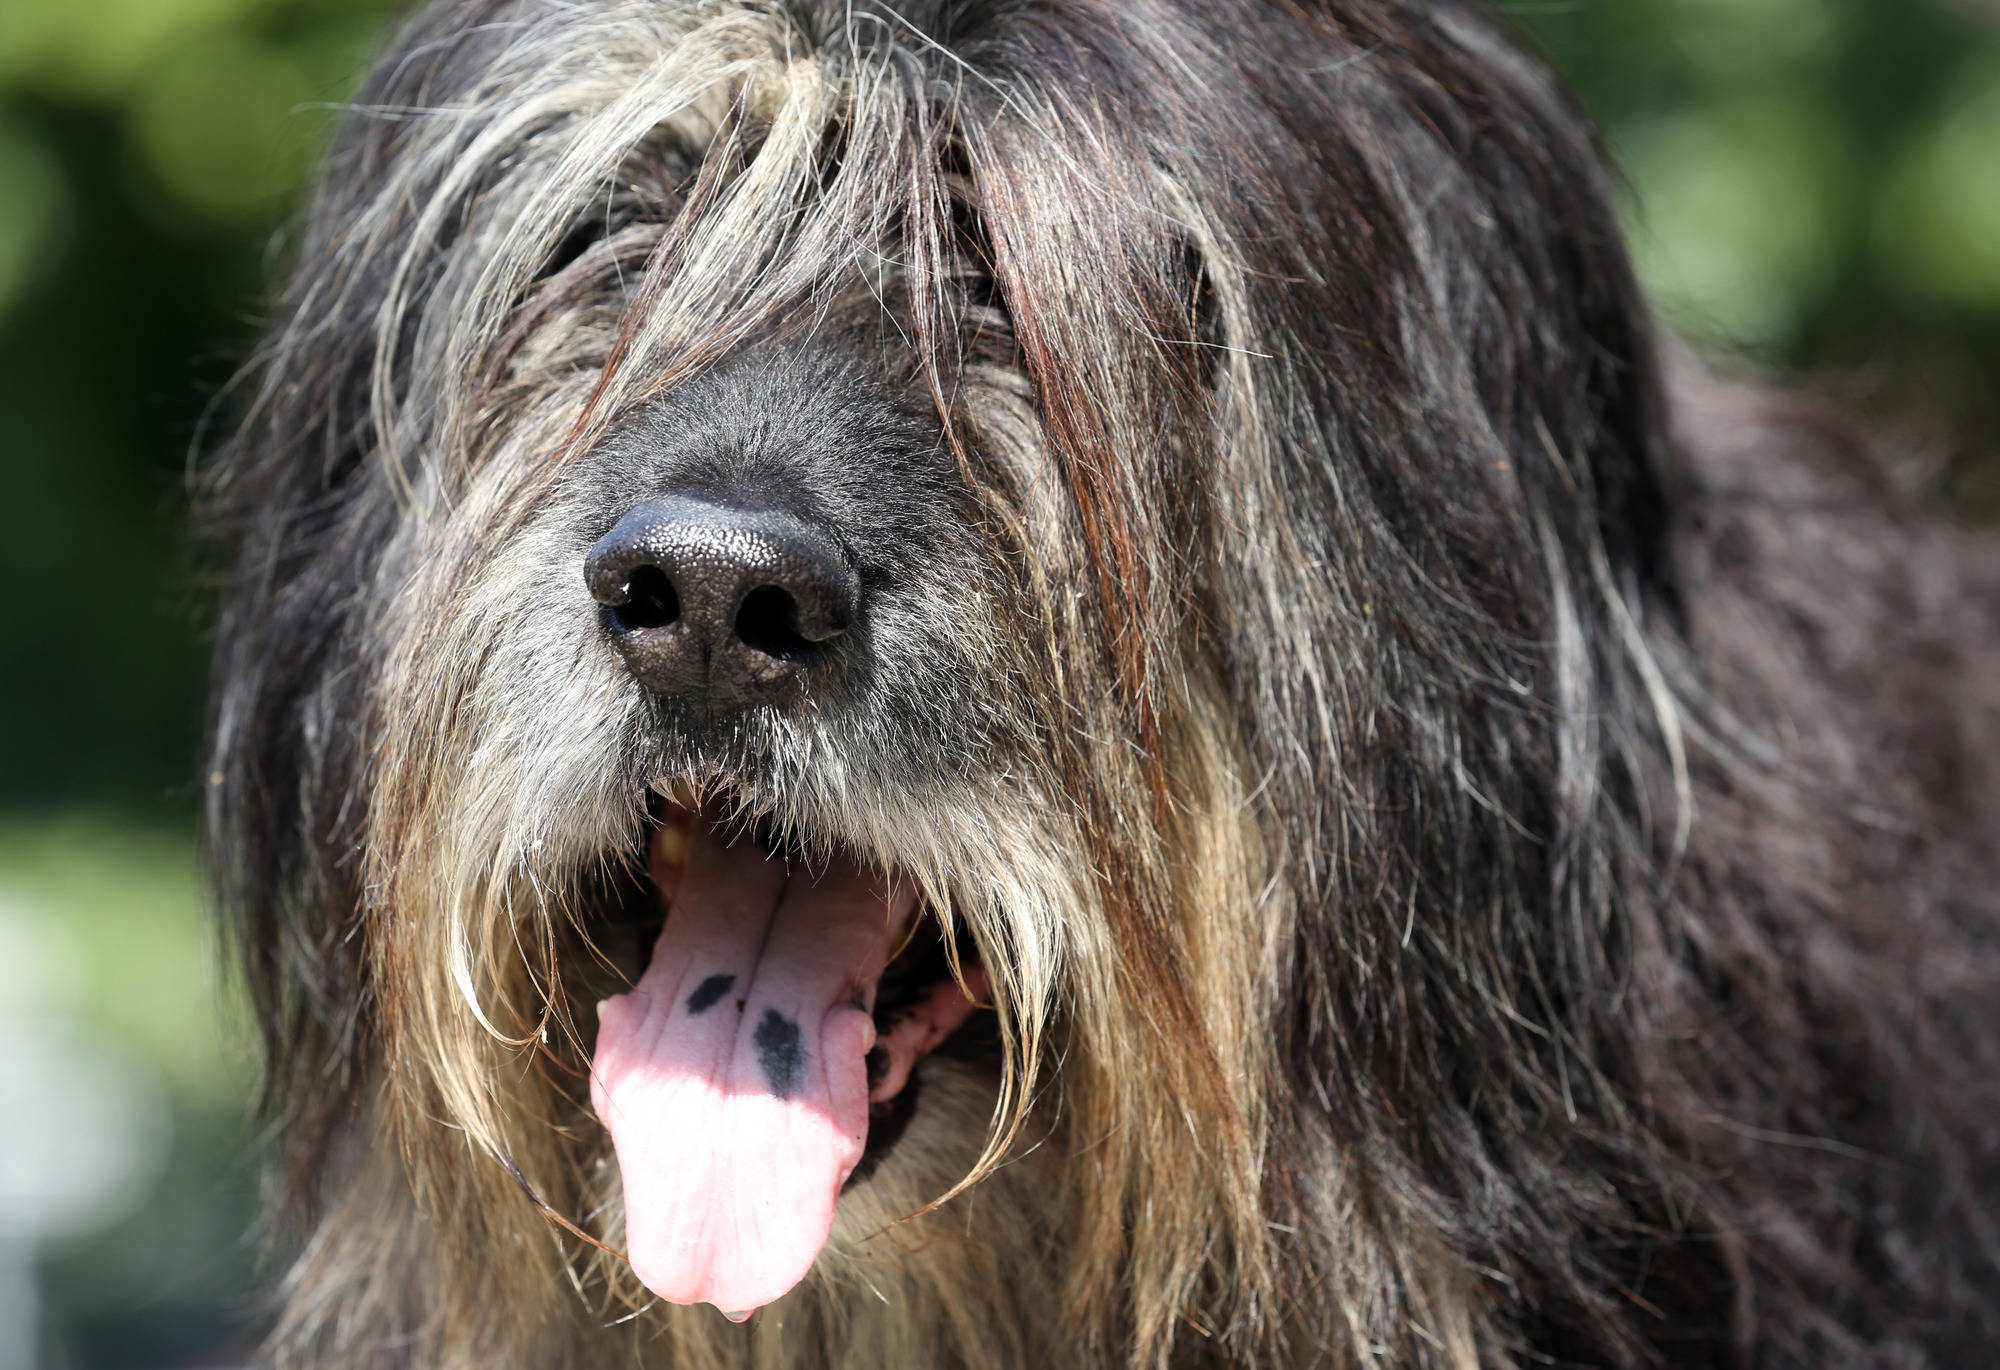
(220, 123)
(1937, 231)
(1737, 221)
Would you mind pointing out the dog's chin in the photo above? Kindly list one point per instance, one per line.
(783, 1001)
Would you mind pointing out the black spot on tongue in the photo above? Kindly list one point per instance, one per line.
(708, 991)
(780, 1051)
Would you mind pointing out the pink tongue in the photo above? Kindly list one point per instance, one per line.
(733, 1078)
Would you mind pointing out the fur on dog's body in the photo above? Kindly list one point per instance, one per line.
(1484, 853)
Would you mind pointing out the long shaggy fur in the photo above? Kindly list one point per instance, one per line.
(1483, 836)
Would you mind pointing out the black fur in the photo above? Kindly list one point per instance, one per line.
(1626, 742)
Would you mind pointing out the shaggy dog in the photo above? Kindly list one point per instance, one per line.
(1044, 683)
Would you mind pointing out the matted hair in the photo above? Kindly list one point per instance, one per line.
(1484, 856)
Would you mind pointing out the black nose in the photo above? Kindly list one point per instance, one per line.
(719, 606)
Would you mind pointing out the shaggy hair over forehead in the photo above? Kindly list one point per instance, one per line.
(1484, 853)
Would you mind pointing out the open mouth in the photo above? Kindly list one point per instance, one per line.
(764, 1058)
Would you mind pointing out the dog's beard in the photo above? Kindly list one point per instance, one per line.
(769, 1041)
(572, 844)
(513, 789)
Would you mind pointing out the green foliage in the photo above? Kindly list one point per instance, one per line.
(108, 971)
(1938, 226)
(1792, 158)
(147, 150)
(110, 916)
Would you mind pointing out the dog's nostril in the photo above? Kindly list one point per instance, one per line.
(768, 622)
(650, 601)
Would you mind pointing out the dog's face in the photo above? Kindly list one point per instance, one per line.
(769, 598)
(833, 595)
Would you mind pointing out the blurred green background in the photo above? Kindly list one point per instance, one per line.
(1814, 184)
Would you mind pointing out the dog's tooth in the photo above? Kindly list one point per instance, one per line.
(670, 844)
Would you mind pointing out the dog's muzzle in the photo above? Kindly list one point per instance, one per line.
(720, 606)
